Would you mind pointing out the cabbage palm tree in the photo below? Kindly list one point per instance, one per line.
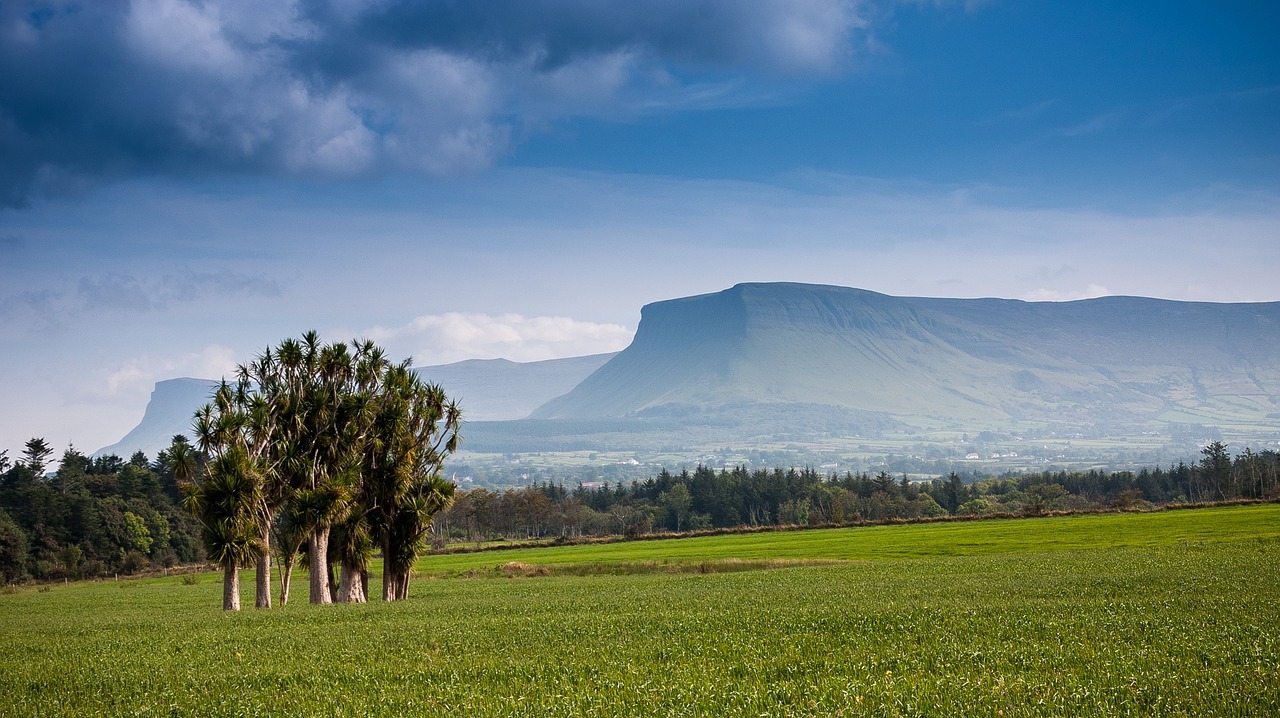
(405, 537)
(305, 422)
(232, 424)
(333, 437)
(182, 460)
(415, 427)
(290, 534)
(265, 393)
(223, 500)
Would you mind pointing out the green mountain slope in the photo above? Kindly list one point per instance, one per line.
(929, 362)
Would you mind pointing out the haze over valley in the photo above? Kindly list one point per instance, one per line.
(795, 374)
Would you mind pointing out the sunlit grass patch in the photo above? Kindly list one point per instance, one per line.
(1181, 622)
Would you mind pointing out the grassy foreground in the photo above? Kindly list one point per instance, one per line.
(1149, 614)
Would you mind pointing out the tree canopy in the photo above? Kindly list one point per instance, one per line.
(321, 438)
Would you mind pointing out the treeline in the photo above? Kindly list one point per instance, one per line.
(100, 516)
(708, 499)
(90, 517)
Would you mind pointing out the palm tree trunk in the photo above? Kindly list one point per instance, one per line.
(318, 558)
(286, 573)
(402, 583)
(391, 579)
(262, 582)
(230, 587)
(388, 571)
(350, 587)
(262, 574)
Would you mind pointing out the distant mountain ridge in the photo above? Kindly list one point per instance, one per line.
(763, 362)
(931, 361)
(502, 390)
(487, 390)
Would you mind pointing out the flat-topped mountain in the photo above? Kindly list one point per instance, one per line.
(170, 411)
(930, 362)
(767, 362)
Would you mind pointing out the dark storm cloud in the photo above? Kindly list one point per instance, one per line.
(103, 89)
(766, 35)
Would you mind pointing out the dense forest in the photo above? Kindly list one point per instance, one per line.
(709, 499)
(90, 517)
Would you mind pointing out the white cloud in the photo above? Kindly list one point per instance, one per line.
(454, 336)
(136, 376)
(813, 34)
(1043, 294)
(176, 32)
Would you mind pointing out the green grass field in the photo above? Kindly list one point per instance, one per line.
(1174, 613)
(964, 538)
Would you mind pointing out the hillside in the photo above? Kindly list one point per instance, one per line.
(930, 362)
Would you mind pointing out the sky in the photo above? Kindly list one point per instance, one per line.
(184, 183)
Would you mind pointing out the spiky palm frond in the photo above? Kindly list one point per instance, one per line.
(353, 539)
(182, 462)
(226, 501)
(232, 543)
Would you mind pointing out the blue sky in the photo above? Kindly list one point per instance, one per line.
(183, 183)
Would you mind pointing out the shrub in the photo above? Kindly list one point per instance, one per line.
(92, 567)
(134, 562)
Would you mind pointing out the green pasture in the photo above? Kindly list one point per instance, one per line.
(1174, 613)
(960, 538)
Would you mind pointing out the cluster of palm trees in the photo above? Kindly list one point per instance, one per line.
(327, 446)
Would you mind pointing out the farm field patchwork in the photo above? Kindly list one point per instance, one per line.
(1175, 613)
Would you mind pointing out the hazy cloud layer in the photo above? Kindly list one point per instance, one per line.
(454, 336)
(138, 375)
(112, 293)
(347, 87)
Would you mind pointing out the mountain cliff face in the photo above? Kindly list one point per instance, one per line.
(931, 362)
(172, 406)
